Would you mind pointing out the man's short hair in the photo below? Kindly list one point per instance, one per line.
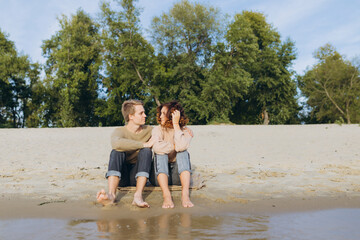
(128, 107)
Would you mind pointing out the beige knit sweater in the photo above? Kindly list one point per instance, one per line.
(125, 141)
(168, 141)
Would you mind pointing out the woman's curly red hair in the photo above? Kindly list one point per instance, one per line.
(172, 106)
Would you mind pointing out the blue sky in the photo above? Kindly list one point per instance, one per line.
(310, 23)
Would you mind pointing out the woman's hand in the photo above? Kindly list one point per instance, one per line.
(175, 117)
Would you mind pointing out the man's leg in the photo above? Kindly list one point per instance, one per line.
(184, 167)
(142, 172)
(116, 163)
(162, 173)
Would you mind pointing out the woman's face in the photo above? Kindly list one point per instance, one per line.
(163, 117)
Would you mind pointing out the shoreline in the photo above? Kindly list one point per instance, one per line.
(26, 209)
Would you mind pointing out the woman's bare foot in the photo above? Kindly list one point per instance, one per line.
(104, 199)
(185, 200)
(168, 203)
(138, 201)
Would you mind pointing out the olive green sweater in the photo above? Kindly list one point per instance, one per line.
(123, 140)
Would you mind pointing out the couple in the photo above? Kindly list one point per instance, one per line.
(131, 159)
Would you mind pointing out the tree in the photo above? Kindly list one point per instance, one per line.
(227, 82)
(257, 47)
(35, 105)
(184, 40)
(72, 72)
(16, 78)
(332, 87)
(129, 60)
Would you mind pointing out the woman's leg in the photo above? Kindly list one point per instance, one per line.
(162, 173)
(184, 167)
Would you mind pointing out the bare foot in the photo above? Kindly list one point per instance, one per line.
(185, 200)
(168, 203)
(104, 199)
(138, 201)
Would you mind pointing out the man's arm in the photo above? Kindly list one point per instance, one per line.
(149, 143)
(120, 143)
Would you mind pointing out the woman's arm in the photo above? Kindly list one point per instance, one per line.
(182, 139)
(160, 145)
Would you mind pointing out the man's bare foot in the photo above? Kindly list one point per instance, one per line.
(138, 201)
(185, 200)
(168, 203)
(104, 199)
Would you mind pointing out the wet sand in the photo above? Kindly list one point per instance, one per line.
(245, 168)
(25, 208)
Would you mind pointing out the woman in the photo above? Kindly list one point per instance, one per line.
(172, 161)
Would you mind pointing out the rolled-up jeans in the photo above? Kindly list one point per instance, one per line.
(172, 170)
(127, 172)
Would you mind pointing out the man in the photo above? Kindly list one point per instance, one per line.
(131, 156)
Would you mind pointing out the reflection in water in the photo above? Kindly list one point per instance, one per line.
(336, 224)
(162, 227)
(180, 226)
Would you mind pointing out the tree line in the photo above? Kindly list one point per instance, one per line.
(222, 71)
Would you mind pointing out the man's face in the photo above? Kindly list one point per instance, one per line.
(139, 116)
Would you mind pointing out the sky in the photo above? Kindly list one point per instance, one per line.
(309, 23)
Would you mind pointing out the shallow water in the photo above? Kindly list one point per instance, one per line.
(327, 224)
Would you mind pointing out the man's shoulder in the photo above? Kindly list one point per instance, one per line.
(119, 130)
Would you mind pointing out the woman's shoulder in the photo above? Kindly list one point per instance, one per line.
(162, 130)
(156, 128)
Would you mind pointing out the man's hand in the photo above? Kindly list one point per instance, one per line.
(149, 143)
(189, 131)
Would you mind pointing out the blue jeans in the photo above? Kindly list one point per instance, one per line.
(127, 172)
(172, 170)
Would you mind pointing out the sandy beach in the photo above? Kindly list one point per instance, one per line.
(250, 166)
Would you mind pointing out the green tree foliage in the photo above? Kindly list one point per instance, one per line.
(35, 105)
(227, 82)
(16, 80)
(242, 75)
(332, 88)
(257, 47)
(129, 60)
(184, 40)
(72, 73)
